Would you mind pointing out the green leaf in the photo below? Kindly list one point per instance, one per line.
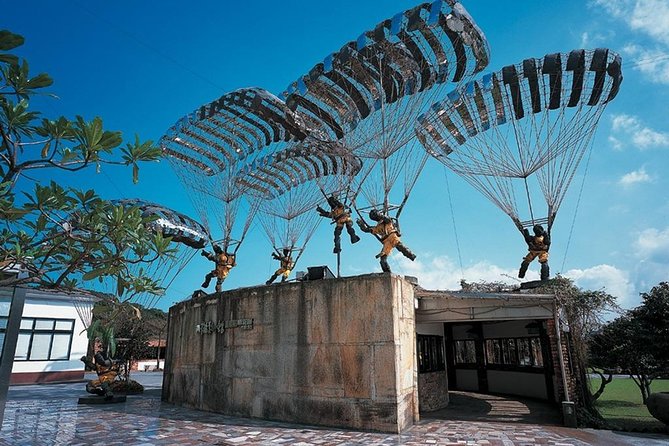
(9, 59)
(9, 40)
(90, 275)
(40, 81)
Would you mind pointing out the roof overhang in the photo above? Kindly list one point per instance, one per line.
(453, 306)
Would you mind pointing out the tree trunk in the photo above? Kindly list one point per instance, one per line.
(643, 383)
(158, 351)
(604, 381)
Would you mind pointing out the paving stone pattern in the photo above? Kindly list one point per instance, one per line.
(50, 415)
(147, 421)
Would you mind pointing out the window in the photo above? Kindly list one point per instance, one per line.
(42, 339)
(465, 352)
(515, 352)
(430, 353)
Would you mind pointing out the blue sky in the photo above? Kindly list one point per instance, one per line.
(142, 65)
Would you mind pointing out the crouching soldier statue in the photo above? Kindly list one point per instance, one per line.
(388, 235)
(285, 267)
(107, 372)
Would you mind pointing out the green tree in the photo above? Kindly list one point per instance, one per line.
(156, 321)
(64, 236)
(582, 311)
(124, 331)
(637, 343)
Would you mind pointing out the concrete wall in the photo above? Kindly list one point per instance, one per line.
(337, 352)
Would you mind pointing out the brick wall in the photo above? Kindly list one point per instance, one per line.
(433, 390)
(557, 377)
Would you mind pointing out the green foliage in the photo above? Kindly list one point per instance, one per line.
(582, 311)
(622, 407)
(132, 327)
(637, 342)
(67, 236)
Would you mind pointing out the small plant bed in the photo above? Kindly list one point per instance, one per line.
(129, 387)
(621, 406)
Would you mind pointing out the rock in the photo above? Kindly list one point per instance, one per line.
(658, 406)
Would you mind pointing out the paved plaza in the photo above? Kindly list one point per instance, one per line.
(50, 415)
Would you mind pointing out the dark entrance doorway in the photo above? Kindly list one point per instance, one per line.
(500, 357)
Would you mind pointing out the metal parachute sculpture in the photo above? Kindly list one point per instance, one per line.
(290, 183)
(185, 235)
(519, 134)
(368, 94)
(209, 147)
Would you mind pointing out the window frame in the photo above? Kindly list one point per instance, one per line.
(32, 331)
(535, 364)
(430, 353)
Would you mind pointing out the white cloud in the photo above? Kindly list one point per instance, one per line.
(605, 277)
(654, 63)
(650, 17)
(632, 129)
(635, 177)
(616, 144)
(652, 245)
(443, 273)
(585, 40)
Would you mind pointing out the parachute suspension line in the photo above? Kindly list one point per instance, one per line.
(578, 203)
(455, 229)
(410, 182)
(384, 150)
(529, 201)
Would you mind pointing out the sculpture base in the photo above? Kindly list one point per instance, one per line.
(101, 399)
(532, 284)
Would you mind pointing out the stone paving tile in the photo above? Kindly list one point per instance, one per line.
(146, 421)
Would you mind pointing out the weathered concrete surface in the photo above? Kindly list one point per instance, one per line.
(338, 352)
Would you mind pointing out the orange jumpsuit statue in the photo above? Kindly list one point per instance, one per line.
(224, 263)
(107, 372)
(388, 235)
(285, 267)
(340, 217)
(537, 246)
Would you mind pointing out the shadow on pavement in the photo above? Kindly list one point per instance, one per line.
(469, 406)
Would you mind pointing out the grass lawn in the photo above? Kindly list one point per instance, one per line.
(620, 404)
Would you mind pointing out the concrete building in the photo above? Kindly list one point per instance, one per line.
(51, 337)
(504, 343)
(366, 352)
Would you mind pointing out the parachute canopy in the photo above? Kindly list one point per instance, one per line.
(524, 128)
(368, 94)
(170, 223)
(187, 237)
(292, 182)
(208, 148)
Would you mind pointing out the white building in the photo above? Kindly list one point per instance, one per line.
(52, 337)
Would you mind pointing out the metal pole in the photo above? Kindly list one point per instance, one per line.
(11, 339)
(339, 264)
